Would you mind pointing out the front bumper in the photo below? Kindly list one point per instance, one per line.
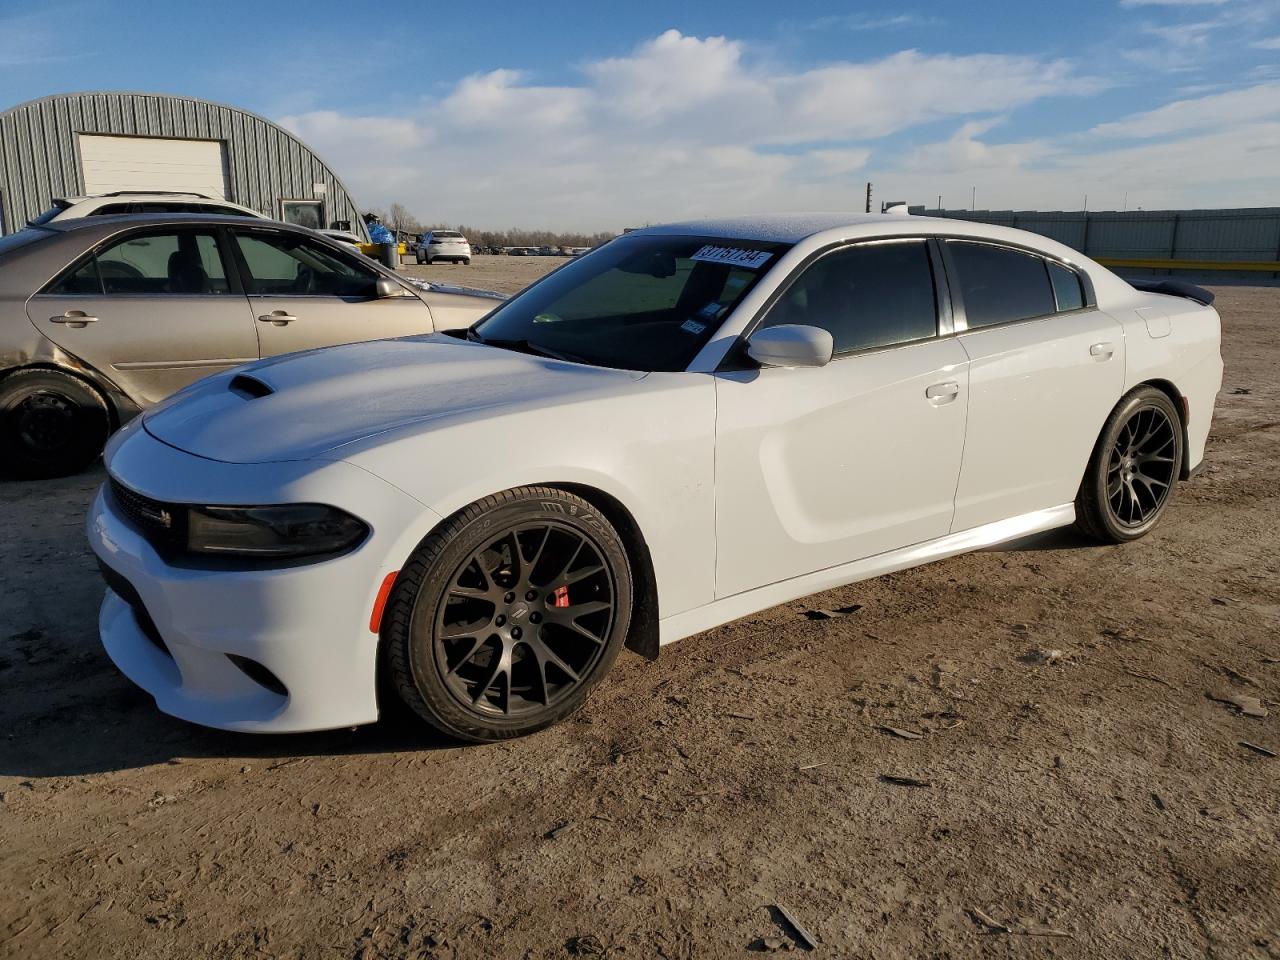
(198, 638)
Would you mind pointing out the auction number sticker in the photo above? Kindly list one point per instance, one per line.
(734, 256)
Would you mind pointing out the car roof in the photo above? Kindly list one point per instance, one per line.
(770, 228)
(88, 223)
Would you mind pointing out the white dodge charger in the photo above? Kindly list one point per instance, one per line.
(688, 424)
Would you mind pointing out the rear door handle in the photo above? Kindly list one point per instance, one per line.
(280, 318)
(1102, 351)
(940, 393)
(74, 318)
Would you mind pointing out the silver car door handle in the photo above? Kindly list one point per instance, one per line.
(940, 393)
(74, 318)
(279, 317)
(1102, 351)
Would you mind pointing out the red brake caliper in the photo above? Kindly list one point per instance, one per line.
(560, 597)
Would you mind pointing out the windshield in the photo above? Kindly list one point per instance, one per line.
(637, 303)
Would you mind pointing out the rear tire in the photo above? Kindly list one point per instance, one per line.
(1135, 465)
(51, 424)
(481, 637)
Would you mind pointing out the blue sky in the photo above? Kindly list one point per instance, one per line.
(597, 115)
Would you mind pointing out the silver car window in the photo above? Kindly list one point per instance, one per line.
(163, 263)
(283, 264)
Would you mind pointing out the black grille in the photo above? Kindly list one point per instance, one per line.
(163, 524)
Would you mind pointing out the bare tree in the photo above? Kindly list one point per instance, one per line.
(401, 220)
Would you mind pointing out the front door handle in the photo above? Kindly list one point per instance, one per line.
(75, 319)
(940, 393)
(1102, 351)
(281, 318)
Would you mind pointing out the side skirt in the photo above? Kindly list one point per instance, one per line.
(741, 604)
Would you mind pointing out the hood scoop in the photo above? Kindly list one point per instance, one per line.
(250, 388)
(301, 405)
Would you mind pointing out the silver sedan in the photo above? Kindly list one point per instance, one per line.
(103, 316)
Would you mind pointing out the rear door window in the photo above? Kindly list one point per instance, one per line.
(166, 263)
(867, 296)
(1066, 287)
(1000, 284)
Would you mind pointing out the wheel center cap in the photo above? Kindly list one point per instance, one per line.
(519, 610)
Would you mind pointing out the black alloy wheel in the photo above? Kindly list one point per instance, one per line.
(1140, 468)
(1135, 465)
(528, 616)
(509, 614)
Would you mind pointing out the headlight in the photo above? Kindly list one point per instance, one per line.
(283, 532)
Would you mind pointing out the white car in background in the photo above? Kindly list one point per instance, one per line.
(688, 424)
(443, 245)
(133, 201)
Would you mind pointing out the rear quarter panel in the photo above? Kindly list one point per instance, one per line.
(1178, 340)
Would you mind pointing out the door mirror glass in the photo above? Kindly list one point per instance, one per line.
(791, 345)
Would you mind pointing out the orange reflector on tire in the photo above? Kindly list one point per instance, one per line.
(380, 602)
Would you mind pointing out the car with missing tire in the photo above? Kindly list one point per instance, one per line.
(101, 316)
(688, 424)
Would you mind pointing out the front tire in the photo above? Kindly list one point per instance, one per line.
(51, 424)
(506, 618)
(1135, 464)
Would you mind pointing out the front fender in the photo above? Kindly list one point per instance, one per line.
(653, 451)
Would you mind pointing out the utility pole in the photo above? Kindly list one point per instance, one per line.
(868, 196)
(973, 199)
(939, 206)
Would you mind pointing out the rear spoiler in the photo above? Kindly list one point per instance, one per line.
(1174, 288)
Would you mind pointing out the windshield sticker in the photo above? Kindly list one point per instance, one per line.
(734, 256)
(693, 326)
(710, 311)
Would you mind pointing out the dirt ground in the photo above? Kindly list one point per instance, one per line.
(504, 274)
(1098, 803)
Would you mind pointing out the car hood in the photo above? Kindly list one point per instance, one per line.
(306, 404)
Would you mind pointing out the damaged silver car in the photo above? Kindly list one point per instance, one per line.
(102, 316)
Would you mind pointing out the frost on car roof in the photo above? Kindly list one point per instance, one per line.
(777, 228)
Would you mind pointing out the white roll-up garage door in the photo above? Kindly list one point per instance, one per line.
(154, 163)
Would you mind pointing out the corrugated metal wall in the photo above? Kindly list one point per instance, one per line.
(40, 158)
(1249, 234)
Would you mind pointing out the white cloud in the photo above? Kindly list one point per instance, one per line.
(1218, 111)
(1190, 172)
(686, 126)
(865, 21)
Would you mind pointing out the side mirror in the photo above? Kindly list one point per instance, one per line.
(791, 345)
(385, 288)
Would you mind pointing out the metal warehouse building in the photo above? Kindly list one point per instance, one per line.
(92, 143)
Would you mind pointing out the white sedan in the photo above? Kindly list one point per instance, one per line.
(690, 423)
